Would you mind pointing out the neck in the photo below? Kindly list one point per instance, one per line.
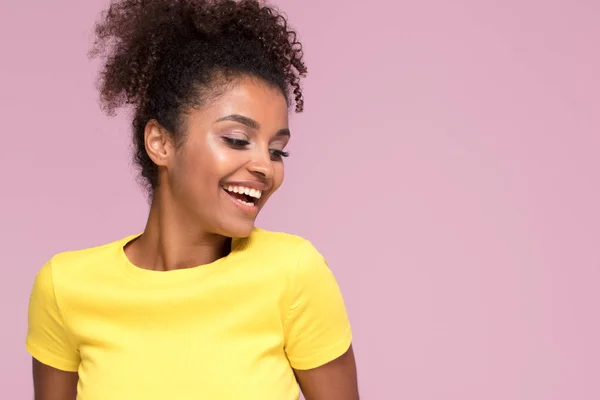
(171, 240)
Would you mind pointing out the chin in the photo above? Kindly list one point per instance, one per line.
(238, 230)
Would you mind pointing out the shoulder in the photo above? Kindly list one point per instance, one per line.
(295, 253)
(280, 244)
(77, 264)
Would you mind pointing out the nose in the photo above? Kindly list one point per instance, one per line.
(261, 165)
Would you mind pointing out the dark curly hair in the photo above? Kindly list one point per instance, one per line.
(162, 57)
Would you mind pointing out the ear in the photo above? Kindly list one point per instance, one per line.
(158, 143)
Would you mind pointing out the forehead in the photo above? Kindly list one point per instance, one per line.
(249, 97)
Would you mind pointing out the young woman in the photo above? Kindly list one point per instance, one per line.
(202, 304)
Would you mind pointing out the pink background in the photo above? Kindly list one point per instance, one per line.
(447, 166)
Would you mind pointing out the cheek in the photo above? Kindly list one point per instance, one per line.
(219, 159)
(278, 175)
(201, 159)
(193, 170)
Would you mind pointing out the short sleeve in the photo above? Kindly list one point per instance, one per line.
(47, 339)
(317, 326)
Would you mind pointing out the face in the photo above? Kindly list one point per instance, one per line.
(231, 160)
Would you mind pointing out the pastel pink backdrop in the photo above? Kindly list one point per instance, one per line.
(446, 164)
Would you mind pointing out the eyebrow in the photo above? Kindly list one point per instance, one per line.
(249, 122)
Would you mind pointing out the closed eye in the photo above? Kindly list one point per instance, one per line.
(277, 155)
(240, 144)
(236, 143)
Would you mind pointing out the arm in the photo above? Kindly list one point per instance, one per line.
(318, 334)
(335, 380)
(53, 384)
(55, 356)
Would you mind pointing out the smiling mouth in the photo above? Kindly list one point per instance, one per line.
(245, 195)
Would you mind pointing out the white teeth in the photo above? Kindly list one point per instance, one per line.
(245, 203)
(244, 190)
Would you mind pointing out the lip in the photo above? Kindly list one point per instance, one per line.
(251, 211)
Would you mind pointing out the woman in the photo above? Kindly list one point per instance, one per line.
(202, 304)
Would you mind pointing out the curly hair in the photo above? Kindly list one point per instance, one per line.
(163, 57)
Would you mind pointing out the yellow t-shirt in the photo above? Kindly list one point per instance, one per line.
(232, 329)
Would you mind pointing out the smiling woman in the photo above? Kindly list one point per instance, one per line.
(202, 304)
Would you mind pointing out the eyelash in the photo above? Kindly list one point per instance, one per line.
(240, 144)
(236, 143)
